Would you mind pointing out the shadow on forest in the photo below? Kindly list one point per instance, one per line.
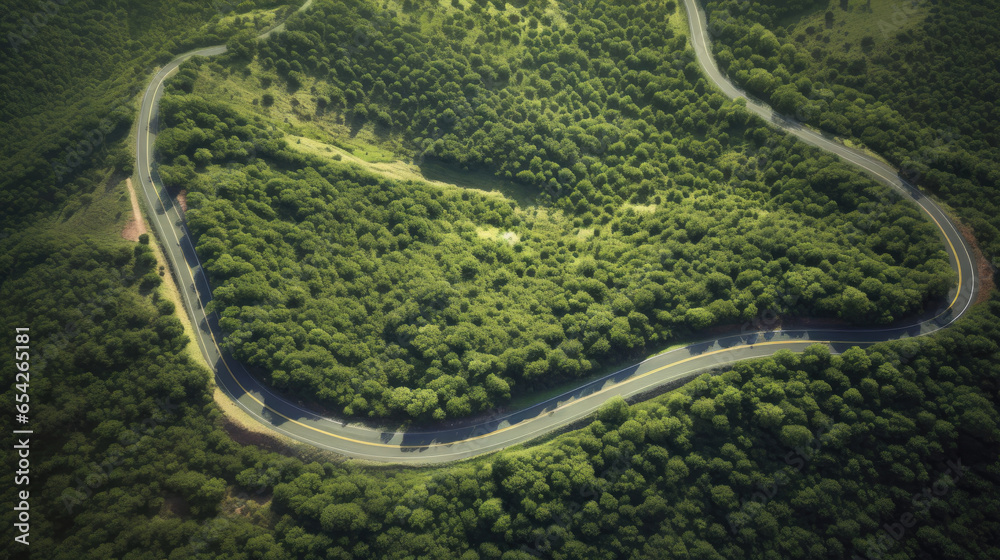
(480, 180)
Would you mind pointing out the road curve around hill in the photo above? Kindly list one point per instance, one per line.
(371, 443)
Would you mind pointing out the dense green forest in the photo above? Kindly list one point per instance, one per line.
(72, 72)
(919, 87)
(383, 298)
(805, 456)
(890, 452)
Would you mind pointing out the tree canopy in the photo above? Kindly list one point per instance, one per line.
(658, 208)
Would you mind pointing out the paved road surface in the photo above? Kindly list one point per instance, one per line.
(371, 443)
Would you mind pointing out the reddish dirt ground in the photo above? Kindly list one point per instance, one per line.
(983, 266)
(174, 505)
(243, 436)
(182, 200)
(135, 226)
(178, 196)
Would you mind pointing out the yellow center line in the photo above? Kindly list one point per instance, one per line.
(695, 20)
(954, 252)
(958, 262)
(571, 401)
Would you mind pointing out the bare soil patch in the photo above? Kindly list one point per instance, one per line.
(174, 505)
(244, 436)
(182, 200)
(135, 226)
(983, 267)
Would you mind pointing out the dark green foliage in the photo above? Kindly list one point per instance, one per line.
(110, 369)
(129, 460)
(925, 99)
(788, 454)
(774, 457)
(69, 76)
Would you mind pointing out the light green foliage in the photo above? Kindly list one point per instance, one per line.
(347, 288)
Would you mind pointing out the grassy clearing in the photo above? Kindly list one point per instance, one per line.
(641, 208)
(379, 161)
(497, 235)
(482, 181)
(850, 27)
(297, 113)
(366, 151)
(678, 23)
(255, 20)
(429, 172)
(326, 134)
(98, 216)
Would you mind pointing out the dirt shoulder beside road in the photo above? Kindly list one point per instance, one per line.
(135, 226)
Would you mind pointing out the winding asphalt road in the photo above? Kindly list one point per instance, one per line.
(371, 443)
